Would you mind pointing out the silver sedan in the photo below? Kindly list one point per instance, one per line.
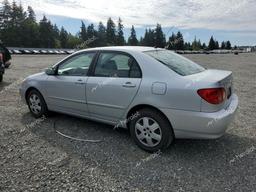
(155, 93)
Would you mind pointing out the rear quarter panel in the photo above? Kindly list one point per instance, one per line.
(180, 92)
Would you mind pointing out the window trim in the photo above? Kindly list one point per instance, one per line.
(72, 56)
(92, 71)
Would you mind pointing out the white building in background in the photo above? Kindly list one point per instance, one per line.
(248, 49)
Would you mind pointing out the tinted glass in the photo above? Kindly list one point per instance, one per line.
(113, 64)
(177, 63)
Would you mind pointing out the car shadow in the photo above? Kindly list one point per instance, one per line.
(117, 149)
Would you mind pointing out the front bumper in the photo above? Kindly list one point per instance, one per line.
(201, 125)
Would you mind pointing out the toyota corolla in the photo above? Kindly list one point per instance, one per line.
(155, 93)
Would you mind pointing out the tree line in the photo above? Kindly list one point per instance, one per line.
(19, 28)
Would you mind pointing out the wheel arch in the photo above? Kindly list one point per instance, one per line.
(30, 89)
(136, 108)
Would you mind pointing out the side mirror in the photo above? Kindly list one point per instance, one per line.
(50, 71)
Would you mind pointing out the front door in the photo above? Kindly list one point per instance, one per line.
(66, 90)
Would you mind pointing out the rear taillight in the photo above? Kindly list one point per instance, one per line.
(213, 95)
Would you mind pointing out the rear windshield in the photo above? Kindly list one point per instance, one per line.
(177, 63)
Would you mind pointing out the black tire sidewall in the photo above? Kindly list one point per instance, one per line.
(1, 78)
(166, 129)
(44, 109)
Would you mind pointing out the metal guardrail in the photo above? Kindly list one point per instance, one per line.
(19, 50)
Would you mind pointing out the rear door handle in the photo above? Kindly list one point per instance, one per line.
(129, 85)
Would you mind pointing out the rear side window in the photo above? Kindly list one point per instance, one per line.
(177, 63)
(115, 64)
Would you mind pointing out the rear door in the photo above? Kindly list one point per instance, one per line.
(113, 86)
(66, 89)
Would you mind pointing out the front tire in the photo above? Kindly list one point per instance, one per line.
(1, 77)
(36, 104)
(151, 131)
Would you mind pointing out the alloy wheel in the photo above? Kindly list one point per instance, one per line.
(35, 104)
(148, 132)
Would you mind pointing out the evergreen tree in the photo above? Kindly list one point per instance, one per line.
(120, 34)
(187, 46)
(228, 45)
(211, 45)
(73, 41)
(92, 36)
(171, 42)
(159, 37)
(30, 30)
(101, 41)
(196, 45)
(90, 31)
(144, 39)
(19, 28)
(111, 32)
(83, 32)
(179, 42)
(46, 34)
(223, 45)
(31, 14)
(132, 40)
(204, 47)
(148, 39)
(217, 45)
(5, 15)
(63, 38)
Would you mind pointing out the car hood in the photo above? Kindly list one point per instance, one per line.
(37, 76)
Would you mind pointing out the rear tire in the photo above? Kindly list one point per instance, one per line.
(1, 78)
(151, 131)
(36, 104)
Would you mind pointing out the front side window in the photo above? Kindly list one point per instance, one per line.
(114, 64)
(78, 65)
(177, 63)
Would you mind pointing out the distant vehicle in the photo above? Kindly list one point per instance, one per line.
(26, 51)
(62, 52)
(43, 51)
(15, 51)
(70, 51)
(6, 55)
(155, 93)
(36, 52)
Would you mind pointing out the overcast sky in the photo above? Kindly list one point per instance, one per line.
(235, 19)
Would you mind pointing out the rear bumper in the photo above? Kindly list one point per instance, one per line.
(201, 125)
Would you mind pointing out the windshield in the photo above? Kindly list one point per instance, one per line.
(177, 63)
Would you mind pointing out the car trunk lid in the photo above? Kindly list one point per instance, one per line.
(213, 79)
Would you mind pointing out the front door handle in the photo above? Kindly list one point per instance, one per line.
(79, 82)
(129, 85)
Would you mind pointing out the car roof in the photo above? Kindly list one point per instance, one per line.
(123, 48)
